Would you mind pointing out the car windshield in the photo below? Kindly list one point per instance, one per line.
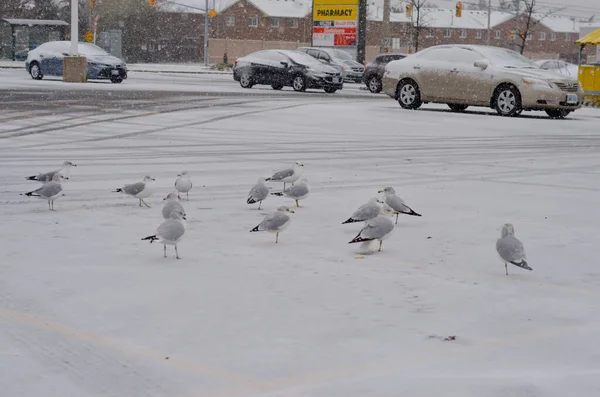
(343, 55)
(91, 49)
(302, 58)
(509, 59)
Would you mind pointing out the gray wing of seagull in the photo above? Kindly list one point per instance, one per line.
(397, 204)
(366, 212)
(511, 249)
(170, 230)
(295, 191)
(377, 228)
(274, 221)
(282, 174)
(259, 192)
(134, 189)
(169, 207)
(47, 177)
(49, 189)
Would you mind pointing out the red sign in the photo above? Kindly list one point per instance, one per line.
(335, 30)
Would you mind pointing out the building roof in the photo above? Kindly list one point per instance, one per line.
(45, 22)
(280, 8)
(592, 38)
(445, 18)
(558, 23)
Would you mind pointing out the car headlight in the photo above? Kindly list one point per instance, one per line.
(542, 83)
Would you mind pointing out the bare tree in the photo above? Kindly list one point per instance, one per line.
(530, 7)
(418, 21)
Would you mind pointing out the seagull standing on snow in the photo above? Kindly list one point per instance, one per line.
(510, 249)
(183, 184)
(276, 222)
(139, 190)
(366, 211)
(171, 206)
(47, 177)
(50, 191)
(289, 175)
(298, 191)
(258, 193)
(396, 203)
(378, 228)
(170, 232)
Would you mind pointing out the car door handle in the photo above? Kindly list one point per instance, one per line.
(416, 67)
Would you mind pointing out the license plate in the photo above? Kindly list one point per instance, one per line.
(337, 80)
(571, 98)
(115, 72)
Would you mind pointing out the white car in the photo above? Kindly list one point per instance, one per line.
(469, 75)
(560, 67)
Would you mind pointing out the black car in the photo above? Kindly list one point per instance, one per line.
(374, 71)
(282, 68)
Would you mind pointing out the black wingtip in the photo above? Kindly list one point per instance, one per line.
(119, 190)
(250, 201)
(31, 178)
(523, 265)
(277, 194)
(255, 229)
(359, 239)
(29, 194)
(267, 179)
(151, 238)
(350, 220)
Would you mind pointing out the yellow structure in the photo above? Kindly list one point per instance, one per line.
(589, 75)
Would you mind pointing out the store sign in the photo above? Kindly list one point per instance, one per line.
(334, 23)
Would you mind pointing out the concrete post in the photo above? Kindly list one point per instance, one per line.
(74, 66)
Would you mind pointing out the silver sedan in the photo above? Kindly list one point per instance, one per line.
(466, 75)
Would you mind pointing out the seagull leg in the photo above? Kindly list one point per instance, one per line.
(179, 198)
(259, 204)
(49, 208)
(283, 185)
(506, 268)
(187, 196)
(380, 244)
(277, 238)
(52, 204)
(297, 205)
(165, 250)
(142, 200)
(140, 204)
(176, 253)
(397, 214)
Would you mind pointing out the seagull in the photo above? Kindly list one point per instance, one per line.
(396, 203)
(139, 190)
(49, 191)
(276, 222)
(47, 177)
(511, 249)
(170, 232)
(171, 205)
(258, 193)
(297, 191)
(183, 184)
(366, 211)
(289, 175)
(378, 228)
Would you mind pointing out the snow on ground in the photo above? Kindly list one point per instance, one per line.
(88, 309)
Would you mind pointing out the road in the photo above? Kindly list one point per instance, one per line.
(89, 309)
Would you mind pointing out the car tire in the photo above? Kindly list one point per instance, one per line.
(35, 71)
(374, 84)
(246, 80)
(330, 90)
(409, 95)
(299, 83)
(116, 80)
(507, 101)
(277, 87)
(557, 113)
(457, 108)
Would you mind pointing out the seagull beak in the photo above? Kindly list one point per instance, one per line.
(292, 211)
(381, 191)
(184, 218)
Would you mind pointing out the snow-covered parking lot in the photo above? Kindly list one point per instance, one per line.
(87, 309)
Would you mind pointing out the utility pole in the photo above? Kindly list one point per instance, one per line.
(206, 34)
(517, 12)
(489, 30)
(74, 27)
(362, 32)
(385, 28)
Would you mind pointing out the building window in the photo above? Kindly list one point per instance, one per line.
(253, 22)
(567, 36)
(529, 36)
(463, 34)
(274, 22)
(498, 34)
(429, 34)
(542, 36)
(447, 33)
(552, 36)
(479, 34)
(395, 43)
(230, 20)
(294, 23)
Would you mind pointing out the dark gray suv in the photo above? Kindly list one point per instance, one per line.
(352, 71)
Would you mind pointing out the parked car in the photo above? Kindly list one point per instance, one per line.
(281, 68)
(47, 60)
(352, 71)
(21, 55)
(374, 70)
(560, 67)
(469, 75)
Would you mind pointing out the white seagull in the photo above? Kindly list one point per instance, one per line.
(510, 249)
(298, 191)
(171, 205)
(276, 222)
(289, 175)
(47, 177)
(396, 203)
(378, 228)
(49, 191)
(366, 211)
(170, 232)
(183, 184)
(139, 190)
(258, 193)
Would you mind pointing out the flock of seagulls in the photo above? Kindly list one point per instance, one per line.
(377, 213)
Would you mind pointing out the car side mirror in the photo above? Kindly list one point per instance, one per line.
(285, 64)
(483, 64)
